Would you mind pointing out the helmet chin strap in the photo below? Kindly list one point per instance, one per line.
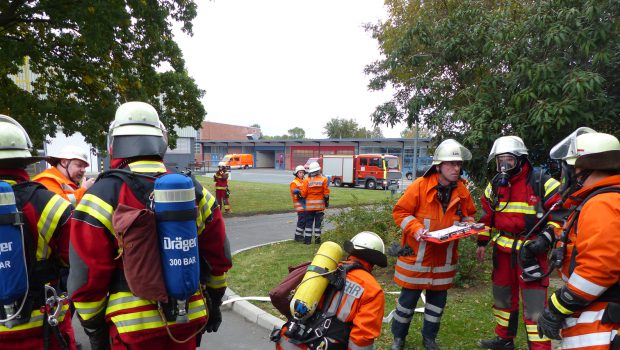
(68, 174)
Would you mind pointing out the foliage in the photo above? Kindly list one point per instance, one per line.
(88, 57)
(411, 133)
(338, 128)
(297, 133)
(476, 69)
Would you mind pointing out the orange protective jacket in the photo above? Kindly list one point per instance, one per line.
(296, 183)
(56, 182)
(362, 307)
(314, 190)
(432, 265)
(590, 265)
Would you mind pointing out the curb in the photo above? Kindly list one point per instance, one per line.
(247, 310)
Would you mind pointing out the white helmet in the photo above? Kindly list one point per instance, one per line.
(588, 149)
(71, 152)
(137, 131)
(450, 150)
(15, 144)
(314, 167)
(368, 246)
(298, 169)
(508, 144)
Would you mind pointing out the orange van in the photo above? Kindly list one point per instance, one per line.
(238, 161)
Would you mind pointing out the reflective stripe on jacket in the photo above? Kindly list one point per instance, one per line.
(296, 184)
(593, 268)
(314, 190)
(56, 182)
(94, 263)
(433, 265)
(516, 211)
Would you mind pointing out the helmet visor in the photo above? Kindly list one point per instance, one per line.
(506, 162)
(567, 148)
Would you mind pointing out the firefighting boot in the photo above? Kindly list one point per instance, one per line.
(498, 343)
(429, 344)
(398, 344)
(307, 240)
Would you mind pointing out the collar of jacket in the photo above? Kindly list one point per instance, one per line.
(19, 175)
(526, 168)
(60, 177)
(431, 188)
(367, 266)
(578, 196)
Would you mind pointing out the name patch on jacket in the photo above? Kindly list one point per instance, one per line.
(353, 289)
(315, 183)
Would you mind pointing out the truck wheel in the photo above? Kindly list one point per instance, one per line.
(371, 184)
(337, 182)
(409, 176)
(245, 167)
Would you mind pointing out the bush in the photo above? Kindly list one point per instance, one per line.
(378, 218)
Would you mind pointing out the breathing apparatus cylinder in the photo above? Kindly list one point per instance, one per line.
(313, 285)
(174, 204)
(13, 265)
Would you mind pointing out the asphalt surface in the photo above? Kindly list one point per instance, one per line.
(235, 332)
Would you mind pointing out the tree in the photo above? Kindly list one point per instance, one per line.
(338, 128)
(89, 57)
(297, 133)
(410, 133)
(476, 70)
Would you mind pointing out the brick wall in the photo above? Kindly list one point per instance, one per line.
(219, 131)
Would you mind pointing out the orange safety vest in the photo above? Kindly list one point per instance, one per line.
(296, 183)
(315, 189)
(433, 265)
(56, 182)
(592, 253)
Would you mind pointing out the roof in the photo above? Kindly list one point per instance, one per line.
(351, 140)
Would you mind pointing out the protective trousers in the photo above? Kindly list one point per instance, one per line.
(301, 225)
(435, 303)
(313, 219)
(507, 283)
(162, 342)
(222, 200)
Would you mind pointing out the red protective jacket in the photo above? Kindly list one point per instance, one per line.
(221, 180)
(432, 265)
(516, 211)
(96, 265)
(46, 217)
(296, 184)
(591, 267)
(314, 190)
(56, 182)
(362, 307)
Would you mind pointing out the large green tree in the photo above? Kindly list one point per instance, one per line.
(476, 69)
(340, 128)
(90, 56)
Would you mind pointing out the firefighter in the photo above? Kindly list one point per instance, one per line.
(355, 310)
(299, 202)
(67, 172)
(221, 188)
(316, 193)
(112, 316)
(513, 202)
(24, 324)
(432, 202)
(585, 311)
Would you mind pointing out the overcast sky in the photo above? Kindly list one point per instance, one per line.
(285, 63)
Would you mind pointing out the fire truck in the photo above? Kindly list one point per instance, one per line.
(369, 170)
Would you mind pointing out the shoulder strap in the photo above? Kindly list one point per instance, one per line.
(24, 192)
(140, 184)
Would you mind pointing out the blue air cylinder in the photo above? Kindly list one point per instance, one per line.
(13, 270)
(175, 209)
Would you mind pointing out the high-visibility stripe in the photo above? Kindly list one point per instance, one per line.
(517, 207)
(204, 209)
(427, 280)
(174, 196)
(501, 313)
(216, 281)
(88, 310)
(36, 320)
(142, 320)
(488, 191)
(554, 224)
(97, 208)
(406, 221)
(72, 198)
(50, 216)
(412, 267)
(551, 185)
(431, 318)
(125, 300)
(506, 242)
(7, 198)
(586, 286)
(587, 340)
(532, 333)
(147, 166)
(584, 317)
(556, 303)
(500, 321)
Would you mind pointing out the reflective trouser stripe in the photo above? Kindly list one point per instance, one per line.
(587, 340)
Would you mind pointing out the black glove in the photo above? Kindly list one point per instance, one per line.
(98, 335)
(537, 246)
(326, 198)
(550, 324)
(214, 301)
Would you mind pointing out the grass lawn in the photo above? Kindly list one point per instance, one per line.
(249, 198)
(466, 319)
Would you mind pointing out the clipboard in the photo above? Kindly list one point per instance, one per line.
(455, 232)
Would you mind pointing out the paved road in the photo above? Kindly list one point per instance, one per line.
(235, 332)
